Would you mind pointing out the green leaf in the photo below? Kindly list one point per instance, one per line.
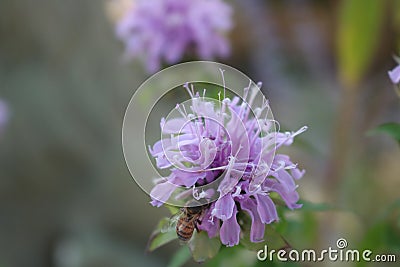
(172, 209)
(359, 29)
(180, 257)
(384, 235)
(309, 206)
(274, 239)
(236, 256)
(299, 231)
(390, 128)
(202, 247)
(162, 235)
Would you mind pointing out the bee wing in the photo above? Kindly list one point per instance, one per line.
(170, 226)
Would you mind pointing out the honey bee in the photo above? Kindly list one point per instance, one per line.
(187, 222)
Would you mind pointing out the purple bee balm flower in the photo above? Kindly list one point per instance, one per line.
(228, 143)
(4, 114)
(395, 75)
(160, 31)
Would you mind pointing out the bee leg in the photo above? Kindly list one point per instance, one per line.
(195, 225)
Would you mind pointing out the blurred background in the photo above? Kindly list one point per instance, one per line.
(66, 196)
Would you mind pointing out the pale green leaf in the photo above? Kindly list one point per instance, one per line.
(390, 128)
(358, 32)
(203, 247)
(172, 209)
(180, 257)
(309, 206)
(162, 235)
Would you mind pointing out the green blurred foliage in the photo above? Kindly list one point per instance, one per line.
(202, 247)
(359, 29)
(391, 128)
(163, 234)
(182, 256)
(383, 236)
(232, 256)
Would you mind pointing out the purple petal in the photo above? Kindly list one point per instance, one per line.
(285, 179)
(260, 175)
(158, 147)
(187, 139)
(175, 126)
(283, 158)
(257, 227)
(266, 209)
(290, 197)
(209, 224)
(208, 152)
(224, 207)
(284, 138)
(4, 113)
(162, 162)
(287, 137)
(297, 174)
(230, 230)
(185, 178)
(210, 176)
(395, 75)
(161, 193)
(230, 179)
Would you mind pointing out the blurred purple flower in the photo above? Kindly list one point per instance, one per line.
(225, 141)
(165, 30)
(4, 114)
(395, 75)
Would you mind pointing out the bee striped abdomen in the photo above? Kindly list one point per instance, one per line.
(185, 227)
(187, 222)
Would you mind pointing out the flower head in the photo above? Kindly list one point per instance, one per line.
(165, 30)
(228, 143)
(4, 114)
(395, 75)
